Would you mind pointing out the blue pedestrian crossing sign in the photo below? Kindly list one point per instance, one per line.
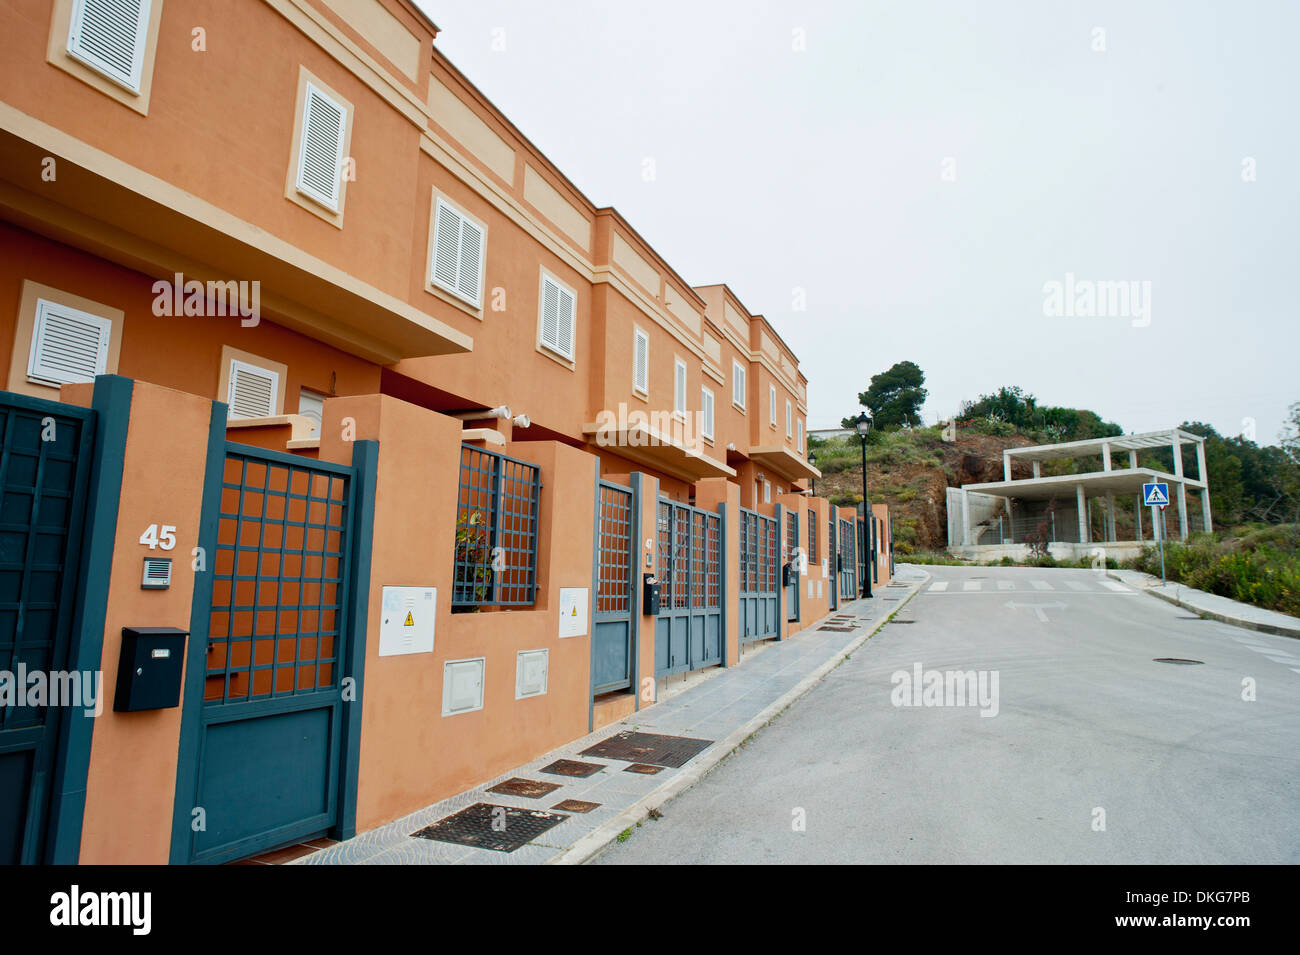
(1155, 495)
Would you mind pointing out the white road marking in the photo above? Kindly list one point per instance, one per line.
(1077, 585)
(971, 585)
(1006, 585)
(1116, 586)
(938, 587)
(1041, 585)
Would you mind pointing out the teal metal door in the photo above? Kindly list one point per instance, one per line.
(688, 630)
(832, 552)
(269, 736)
(45, 451)
(760, 574)
(848, 560)
(611, 633)
(792, 558)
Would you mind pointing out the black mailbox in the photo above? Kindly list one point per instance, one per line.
(149, 669)
(839, 563)
(789, 575)
(649, 594)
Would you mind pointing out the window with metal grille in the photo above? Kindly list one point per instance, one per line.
(456, 262)
(557, 317)
(496, 531)
(791, 534)
(109, 36)
(681, 559)
(279, 580)
(771, 554)
(812, 536)
(68, 345)
(713, 559)
(665, 554)
(320, 155)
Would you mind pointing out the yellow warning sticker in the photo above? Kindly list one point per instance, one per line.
(410, 621)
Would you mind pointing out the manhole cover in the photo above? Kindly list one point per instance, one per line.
(485, 826)
(671, 751)
(573, 767)
(576, 805)
(645, 769)
(1178, 660)
(528, 788)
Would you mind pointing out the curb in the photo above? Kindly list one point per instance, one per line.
(594, 842)
(1275, 630)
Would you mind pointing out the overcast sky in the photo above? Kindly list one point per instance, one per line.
(922, 170)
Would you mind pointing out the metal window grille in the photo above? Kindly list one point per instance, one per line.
(278, 582)
(681, 559)
(791, 534)
(613, 593)
(713, 542)
(496, 530)
(812, 536)
(772, 553)
(665, 525)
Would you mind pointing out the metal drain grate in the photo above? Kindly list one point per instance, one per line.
(485, 826)
(1179, 660)
(573, 767)
(837, 629)
(528, 788)
(644, 769)
(575, 805)
(671, 751)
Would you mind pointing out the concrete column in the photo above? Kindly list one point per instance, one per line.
(1133, 460)
(1110, 515)
(1011, 523)
(1200, 463)
(1038, 469)
(1205, 508)
(965, 518)
(1006, 467)
(1105, 456)
(1082, 503)
(1138, 515)
(1182, 491)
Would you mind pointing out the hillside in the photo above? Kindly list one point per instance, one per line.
(910, 470)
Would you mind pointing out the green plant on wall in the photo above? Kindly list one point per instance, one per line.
(473, 557)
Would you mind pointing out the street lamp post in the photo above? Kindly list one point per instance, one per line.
(812, 485)
(863, 425)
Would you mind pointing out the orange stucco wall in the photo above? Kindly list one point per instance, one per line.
(132, 779)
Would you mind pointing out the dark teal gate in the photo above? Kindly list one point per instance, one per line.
(848, 560)
(611, 634)
(45, 453)
(792, 554)
(832, 553)
(759, 577)
(688, 630)
(268, 745)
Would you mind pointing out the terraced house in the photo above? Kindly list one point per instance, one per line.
(363, 454)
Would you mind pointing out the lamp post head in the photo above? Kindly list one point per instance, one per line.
(812, 458)
(863, 424)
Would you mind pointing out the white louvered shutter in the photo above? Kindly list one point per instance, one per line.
(320, 161)
(738, 384)
(557, 317)
(446, 247)
(706, 411)
(471, 260)
(566, 323)
(771, 405)
(252, 391)
(789, 421)
(679, 388)
(109, 36)
(641, 363)
(68, 345)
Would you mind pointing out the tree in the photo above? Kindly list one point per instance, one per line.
(894, 398)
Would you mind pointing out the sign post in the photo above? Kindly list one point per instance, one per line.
(1156, 497)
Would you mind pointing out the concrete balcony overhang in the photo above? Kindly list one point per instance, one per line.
(784, 462)
(1117, 481)
(640, 441)
(111, 209)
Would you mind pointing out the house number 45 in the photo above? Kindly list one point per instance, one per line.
(155, 537)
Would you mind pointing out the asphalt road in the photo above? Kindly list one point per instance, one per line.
(1094, 753)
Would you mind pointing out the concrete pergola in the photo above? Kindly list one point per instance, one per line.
(1108, 482)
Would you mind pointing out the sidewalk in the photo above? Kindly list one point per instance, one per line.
(1209, 605)
(723, 706)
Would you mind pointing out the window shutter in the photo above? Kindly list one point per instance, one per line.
(68, 345)
(771, 405)
(738, 384)
(789, 421)
(109, 35)
(446, 247)
(706, 411)
(641, 363)
(799, 428)
(679, 388)
(252, 391)
(557, 317)
(471, 260)
(320, 162)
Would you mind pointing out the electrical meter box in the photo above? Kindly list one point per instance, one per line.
(149, 669)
